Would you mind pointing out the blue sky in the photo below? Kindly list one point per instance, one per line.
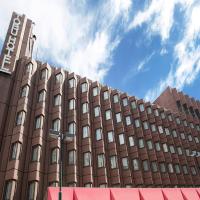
(138, 46)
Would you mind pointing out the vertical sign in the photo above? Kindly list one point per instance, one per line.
(10, 45)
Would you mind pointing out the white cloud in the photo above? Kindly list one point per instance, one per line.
(158, 16)
(71, 35)
(186, 54)
(145, 61)
(163, 51)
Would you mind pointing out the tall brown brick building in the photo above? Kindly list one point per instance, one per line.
(120, 141)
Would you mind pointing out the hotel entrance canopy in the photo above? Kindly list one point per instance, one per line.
(125, 193)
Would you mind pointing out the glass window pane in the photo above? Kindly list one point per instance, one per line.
(72, 157)
(141, 143)
(160, 129)
(98, 134)
(118, 117)
(121, 139)
(38, 122)
(125, 163)
(56, 125)
(25, 91)
(101, 160)
(20, 118)
(97, 111)
(193, 170)
(137, 123)
(133, 105)
(85, 131)
(145, 165)
(145, 126)
(54, 155)
(41, 96)
(110, 136)
(95, 91)
(177, 169)
(9, 186)
(57, 100)
(128, 120)
(153, 127)
(149, 145)
(113, 162)
(131, 141)
(29, 68)
(72, 128)
(59, 78)
(15, 150)
(135, 164)
(105, 95)
(141, 107)
(72, 83)
(165, 147)
(149, 110)
(115, 98)
(157, 146)
(125, 101)
(174, 134)
(179, 150)
(156, 113)
(108, 114)
(31, 191)
(87, 159)
(84, 108)
(72, 104)
(170, 168)
(154, 166)
(84, 87)
(44, 74)
(36, 153)
(162, 167)
(171, 148)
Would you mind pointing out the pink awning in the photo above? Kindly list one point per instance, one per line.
(125, 193)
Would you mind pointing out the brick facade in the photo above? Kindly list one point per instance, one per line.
(130, 142)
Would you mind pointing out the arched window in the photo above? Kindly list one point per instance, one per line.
(15, 151)
(86, 159)
(57, 100)
(39, 121)
(20, 118)
(72, 157)
(59, 78)
(41, 95)
(56, 125)
(72, 128)
(29, 68)
(72, 104)
(72, 83)
(84, 87)
(25, 91)
(55, 155)
(32, 190)
(36, 152)
(44, 74)
(9, 190)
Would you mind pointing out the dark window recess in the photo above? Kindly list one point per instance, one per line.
(185, 108)
(197, 113)
(192, 111)
(178, 103)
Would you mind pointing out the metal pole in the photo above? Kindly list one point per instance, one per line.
(60, 168)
